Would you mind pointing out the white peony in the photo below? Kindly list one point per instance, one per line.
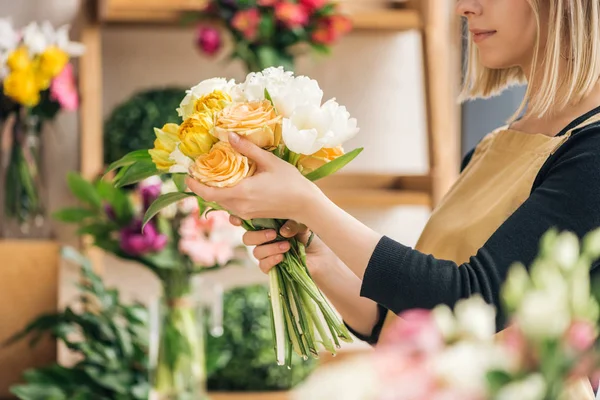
(37, 38)
(531, 388)
(543, 314)
(287, 92)
(186, 108)
(9, 37)
(475, 318)
(310, 128)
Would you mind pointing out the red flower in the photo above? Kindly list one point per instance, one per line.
(291, 15)
(267, 3)
(246, 21)
(330, 29)
(313, 5)
(208, 39)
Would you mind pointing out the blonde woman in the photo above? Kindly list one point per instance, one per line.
(539, 172)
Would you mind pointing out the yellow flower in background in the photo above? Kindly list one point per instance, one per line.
(257, 121)
(212, 102)
(19, 59)
(165, 143)
(21, 86)
(308, 164)
(52, 61)
(222, 166)
(195, 136)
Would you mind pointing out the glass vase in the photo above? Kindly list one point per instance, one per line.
(23, 189)
(177, 352)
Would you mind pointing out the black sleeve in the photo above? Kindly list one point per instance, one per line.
(382, 311)
(566, 196)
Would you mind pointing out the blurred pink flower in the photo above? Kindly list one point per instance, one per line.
(64, 90)
(414, 332)
(267, 3)
(313, 5)
(291, 15)
(206, 253)
(208, 39)
(330, 29)
(581, 335)
(246, 21)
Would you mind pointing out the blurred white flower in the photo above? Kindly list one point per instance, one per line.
(287, 92)
(62, 41)
(9, 37)
(37, 38)
(310, 128)
(186, 108)
(475, 318)
(445, 321)
(182, 162)
(515, 285)
(531, 388)
(170, 211)
(543, 314)
(566, 250)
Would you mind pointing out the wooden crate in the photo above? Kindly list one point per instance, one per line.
(29, 273)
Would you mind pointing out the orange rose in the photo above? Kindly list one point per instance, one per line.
(308, 164)
(222, 166)
(257, 121)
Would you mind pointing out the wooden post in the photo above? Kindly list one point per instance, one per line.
(442, 80)
(90, 83)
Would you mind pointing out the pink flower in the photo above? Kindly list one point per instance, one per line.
(246, 21)
(414, 332)
(581, 335)
(206, 253)
(64, 90)
(330, 29)
(291, 15)
(313, 5)
(208, 39)
(267, 3)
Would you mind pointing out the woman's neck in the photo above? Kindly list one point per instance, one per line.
(555, 120)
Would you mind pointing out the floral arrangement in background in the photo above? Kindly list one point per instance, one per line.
(181, 242)
(548, 350)
(270, 33)
(280, 113)
(37, 82)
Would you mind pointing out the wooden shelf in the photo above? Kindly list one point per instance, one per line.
(373, 191)
(170, 12)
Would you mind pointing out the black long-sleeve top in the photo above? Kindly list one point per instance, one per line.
(565, 195)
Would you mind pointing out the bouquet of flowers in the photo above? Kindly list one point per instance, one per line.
(37, 82)
(283, 114)
(548, 351)
(272, 32)
(184, 240)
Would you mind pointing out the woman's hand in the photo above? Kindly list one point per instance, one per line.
(276, 190)
(318, 255)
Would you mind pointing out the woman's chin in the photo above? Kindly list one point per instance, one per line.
(493, 61)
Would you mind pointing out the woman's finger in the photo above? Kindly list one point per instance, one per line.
(235, 220)
(256, 238)
(268, 263)
(268, 250)
(291, 228)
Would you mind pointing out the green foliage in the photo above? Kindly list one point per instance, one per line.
(109, 338)
(131, 125)
(333, 166)
(245, 351)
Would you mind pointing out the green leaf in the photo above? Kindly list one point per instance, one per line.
(137, 172)
(83, 189)
(266, 27)
(164, 201)
(73, 214)
(268, 57)
(321, 48)
(497, 379)
(128, 159)
(333, 166)
(268, 97)
(38, 391)
(179, 180)
(117, 198)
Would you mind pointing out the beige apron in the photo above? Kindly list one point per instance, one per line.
(497, 180)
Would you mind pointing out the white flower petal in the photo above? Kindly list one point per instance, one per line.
(186, 108)
(182, 162)
(34, 39)
(9, 37)
(301, 141)
(74, 49)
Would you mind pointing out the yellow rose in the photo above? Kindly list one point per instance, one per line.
(21, 87)
(212, 102)
(257, 121)
(19, 59)
(194, 134)
(308, 164)
(222, 167)
(52, 61)
(165, 143)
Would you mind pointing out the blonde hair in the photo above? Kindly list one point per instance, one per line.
(573, 39)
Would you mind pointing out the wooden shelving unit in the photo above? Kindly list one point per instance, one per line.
(434, 20)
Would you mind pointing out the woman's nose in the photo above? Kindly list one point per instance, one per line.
(468, 8)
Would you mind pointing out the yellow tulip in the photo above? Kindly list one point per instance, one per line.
(21, 86)
(195, 136)
(165, 143)
(19, 59)
(52, 61)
